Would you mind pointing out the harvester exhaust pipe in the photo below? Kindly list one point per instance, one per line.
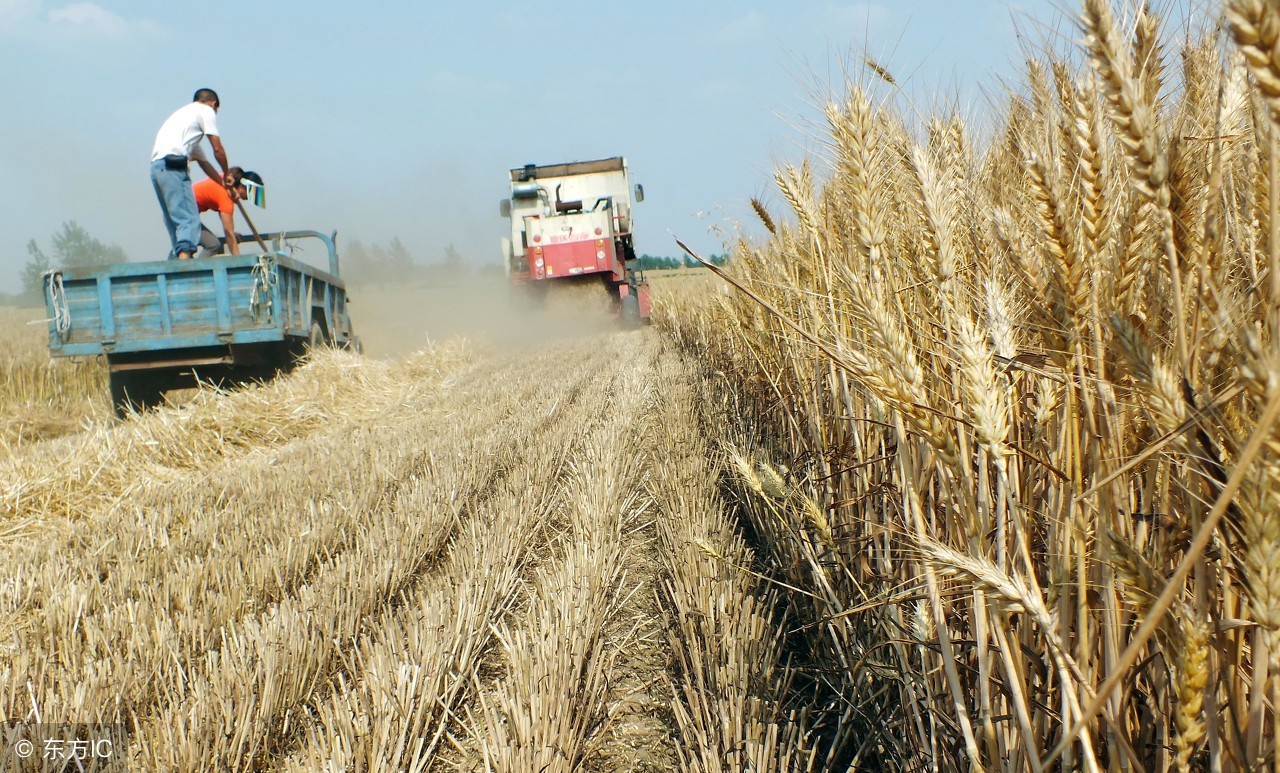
(566, 206)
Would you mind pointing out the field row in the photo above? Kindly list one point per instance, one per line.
(457, 559)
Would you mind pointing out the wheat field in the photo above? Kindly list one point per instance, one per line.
(971, 463)
(1006, 410)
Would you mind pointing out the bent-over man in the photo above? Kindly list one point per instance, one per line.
(211, 196)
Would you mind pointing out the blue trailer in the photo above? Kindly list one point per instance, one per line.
(229, 319)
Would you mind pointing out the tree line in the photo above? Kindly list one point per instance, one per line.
(71, 247)
(659, 263)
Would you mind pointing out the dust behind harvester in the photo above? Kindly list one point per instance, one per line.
(572, 223)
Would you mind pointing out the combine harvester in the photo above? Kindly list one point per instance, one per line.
(168, 324)
(573, 222)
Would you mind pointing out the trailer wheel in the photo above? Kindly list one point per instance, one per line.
(133, 391)
(317, 338)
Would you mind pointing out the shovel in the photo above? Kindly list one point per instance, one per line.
(252, 230)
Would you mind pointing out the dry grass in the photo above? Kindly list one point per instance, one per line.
(728, 682)
(362, 565)
(104, 463)
(42, 398)
(1007, 414)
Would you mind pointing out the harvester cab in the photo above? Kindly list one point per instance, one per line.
(574, 220)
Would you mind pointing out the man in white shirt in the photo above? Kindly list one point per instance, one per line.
(177, 143)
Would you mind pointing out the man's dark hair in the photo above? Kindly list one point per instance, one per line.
(253, 177)
(206, 95)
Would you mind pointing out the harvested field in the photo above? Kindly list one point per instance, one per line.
(473, 557)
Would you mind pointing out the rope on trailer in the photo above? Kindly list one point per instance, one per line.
(264, 281)
(58, 300)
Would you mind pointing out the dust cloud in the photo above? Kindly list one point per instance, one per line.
(393, 321)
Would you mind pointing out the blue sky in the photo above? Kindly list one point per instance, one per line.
(401, 119)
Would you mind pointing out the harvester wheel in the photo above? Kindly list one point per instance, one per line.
(630, 310)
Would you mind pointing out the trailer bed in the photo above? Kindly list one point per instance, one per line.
(170, 324)
(168, 304)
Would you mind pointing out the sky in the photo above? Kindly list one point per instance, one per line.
(397, 119)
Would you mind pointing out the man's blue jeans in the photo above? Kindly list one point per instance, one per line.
(178, 204)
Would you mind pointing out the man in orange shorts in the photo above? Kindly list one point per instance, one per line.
(211, 195)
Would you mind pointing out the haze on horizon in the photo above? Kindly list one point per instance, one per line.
(402, 122)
